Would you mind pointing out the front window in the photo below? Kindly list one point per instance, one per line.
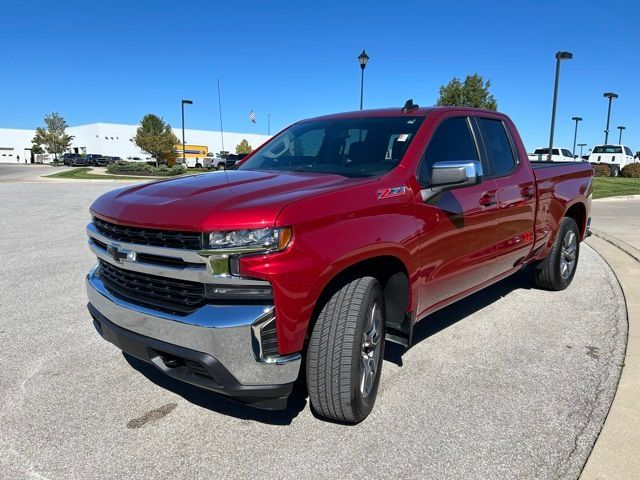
(607, 149)
(351, 147)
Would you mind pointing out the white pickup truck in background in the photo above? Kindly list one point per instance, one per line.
(557, 155)
(616, 156)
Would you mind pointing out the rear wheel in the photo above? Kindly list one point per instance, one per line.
(344, 358)
(198, 165)
(556, 271)
(615, 170)
(221, 166)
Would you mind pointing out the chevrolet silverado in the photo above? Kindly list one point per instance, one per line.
(337, 235)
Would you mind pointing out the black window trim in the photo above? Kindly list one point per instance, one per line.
(514, 152)
(473, 138)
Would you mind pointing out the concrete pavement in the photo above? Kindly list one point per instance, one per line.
(513, 382)
(616, 454)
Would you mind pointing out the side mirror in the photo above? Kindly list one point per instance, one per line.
(449, 175)
(446, 175)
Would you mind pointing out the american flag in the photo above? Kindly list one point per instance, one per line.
(252, 117)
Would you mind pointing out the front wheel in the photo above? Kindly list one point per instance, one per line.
(344, 358)
(222, 166)
(556, 271)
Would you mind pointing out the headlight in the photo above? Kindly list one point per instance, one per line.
(260, 239)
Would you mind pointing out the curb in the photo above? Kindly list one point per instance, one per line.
(615, 453)
(616, 242)
(619, 197)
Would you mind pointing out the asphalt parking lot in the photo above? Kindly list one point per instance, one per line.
(512, 382)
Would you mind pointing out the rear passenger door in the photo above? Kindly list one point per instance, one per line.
(516, 191)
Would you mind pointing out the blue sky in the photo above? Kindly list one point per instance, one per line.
(116, 61)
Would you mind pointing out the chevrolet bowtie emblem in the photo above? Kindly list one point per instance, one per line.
(119, 255)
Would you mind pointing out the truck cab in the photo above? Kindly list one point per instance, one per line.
(557, 155)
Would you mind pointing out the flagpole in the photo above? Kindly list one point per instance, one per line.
(220, 110)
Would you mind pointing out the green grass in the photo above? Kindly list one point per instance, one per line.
(83, 173)
(614, 186)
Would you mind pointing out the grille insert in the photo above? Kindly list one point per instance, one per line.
(178, 297)
(147, 236)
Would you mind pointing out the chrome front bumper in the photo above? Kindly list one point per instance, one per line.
(226, 332)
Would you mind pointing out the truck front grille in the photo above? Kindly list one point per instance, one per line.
(178, 297)
(148, 236)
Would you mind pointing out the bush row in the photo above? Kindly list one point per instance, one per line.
(142, 169)
(601, 170)
(631, 171)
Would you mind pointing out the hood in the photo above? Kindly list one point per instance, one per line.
(208, 202)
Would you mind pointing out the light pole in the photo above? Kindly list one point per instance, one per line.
(581, 145)
(268, 124)
(559, 57)
(620, 138)
(184, 102)
(575, 134)
(610, 96)
(363, 58)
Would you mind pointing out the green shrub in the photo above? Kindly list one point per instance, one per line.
(143, 169)
(631, 171)
(601, 170)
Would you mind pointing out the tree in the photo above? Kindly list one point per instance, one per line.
(474, 92)
(53, 136)
(156, 138)
(244, 147)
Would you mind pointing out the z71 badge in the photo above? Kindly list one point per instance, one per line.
(391, 192)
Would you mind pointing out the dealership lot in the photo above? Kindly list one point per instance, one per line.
(512, 382)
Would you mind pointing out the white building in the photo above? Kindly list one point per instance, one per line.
(115, 140)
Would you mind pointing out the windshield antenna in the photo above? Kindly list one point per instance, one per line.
(222, 138)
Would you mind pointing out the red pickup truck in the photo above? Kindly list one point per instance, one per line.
(337, 235)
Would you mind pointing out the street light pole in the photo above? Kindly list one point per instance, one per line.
(183, 103)
(268, 124)
(610, 96)
(363, 58)
(620, 138)
(581, 145)
(575, 134)
(559, 56)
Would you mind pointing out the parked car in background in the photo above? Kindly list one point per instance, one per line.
(616, 156)
(233, 159)
(213, 161)
(103, 161)
(73, 160)
(337, 235)
(91, 158)
(557, 155)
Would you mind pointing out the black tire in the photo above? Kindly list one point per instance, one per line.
(615, 171)
(550, 273)
(337, 354)
(222, 166)
(198, 165)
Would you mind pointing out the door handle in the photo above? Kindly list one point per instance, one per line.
(488, 199)
(528, 192)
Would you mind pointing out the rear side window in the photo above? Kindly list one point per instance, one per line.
(452, 141)
(628, 151)
(566, 153)
(498, 147)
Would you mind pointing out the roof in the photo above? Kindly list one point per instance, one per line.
(398, 112)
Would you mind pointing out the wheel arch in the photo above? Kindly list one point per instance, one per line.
(392, 273)
(578, 212)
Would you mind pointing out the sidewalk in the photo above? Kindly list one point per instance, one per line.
(616, 454)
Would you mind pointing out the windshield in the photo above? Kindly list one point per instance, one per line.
(607, 149)
(352, 147)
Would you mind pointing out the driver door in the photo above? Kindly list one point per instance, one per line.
(458, 227)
